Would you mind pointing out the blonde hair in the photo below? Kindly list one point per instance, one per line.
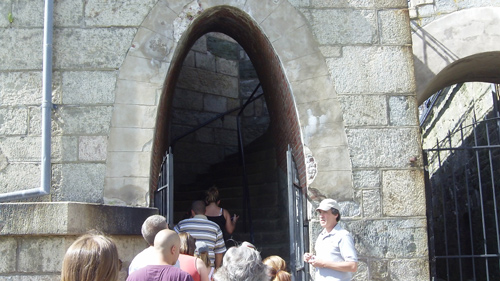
(212, 195)
(277, 268)
(205, 258)
(187, 244)
(92, 257)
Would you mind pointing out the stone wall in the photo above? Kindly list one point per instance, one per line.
(348, 65)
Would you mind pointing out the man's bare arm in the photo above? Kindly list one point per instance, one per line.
(218, 260)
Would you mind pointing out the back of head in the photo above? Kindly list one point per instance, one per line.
(201, 252)
(188, 245)
(198, 207)
(164, 242)
(212, 195)
(242, 263)
(151, 226)
(277, 267)
(92, 257)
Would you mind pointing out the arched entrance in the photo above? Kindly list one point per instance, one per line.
(267, 206)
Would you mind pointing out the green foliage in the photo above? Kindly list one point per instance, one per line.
(10, 17)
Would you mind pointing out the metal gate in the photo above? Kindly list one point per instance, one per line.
(462, 187)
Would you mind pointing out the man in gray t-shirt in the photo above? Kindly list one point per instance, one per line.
(336, 257)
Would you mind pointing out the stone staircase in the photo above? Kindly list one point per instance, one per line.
(269, 219)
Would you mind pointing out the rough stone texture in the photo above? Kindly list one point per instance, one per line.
(27, 13)
(28, 149)
(116, 13)
(134, 92)
(149, 44)
(373, 69)
(84, 120)
(29, 56)
(13, 121)
(92, 148)
(20, 88)
(391, 31)
(390, 238)
(88, 87)
(127, 191)
(130, 139)
(403, 111)
(208, 82)
(409, 270)
(345, 26)
(145, 116)
(372, 203)
(97, 47)
(34, 254)
(8, 246)
(366, 178)
(334, 184)
(403, 193)
(81, 183)
(383, 147)
(19, 176)
(212, 103)
(362, 110)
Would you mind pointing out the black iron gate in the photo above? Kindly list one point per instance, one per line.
(463, 196)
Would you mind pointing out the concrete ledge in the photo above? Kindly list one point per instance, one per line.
(71, 218)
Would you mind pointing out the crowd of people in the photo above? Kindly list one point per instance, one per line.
(195, 250)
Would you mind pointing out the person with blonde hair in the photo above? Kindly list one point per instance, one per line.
(92, 257)
(201, 252)
(220, 216)
(189, 263)
(277, 267)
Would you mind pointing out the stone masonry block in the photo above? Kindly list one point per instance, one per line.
(306, 67)
(8, 252)
(186, 99)
(360, 3)
(91, 47)
(208, 82)
(260, 10)
(366, 179)
(84, 120)
(13, 120)
(383, 147)
(223, 48)
(130, 191)
(28, 13)
(390, 238)
(212, 103)
(392, 29)
(228, 67)
(331, 134)
(116, 13)
(205, 61)
(149, 44)
(331, 51)
(332, 158)
(403, 111)
(14, 58)
(130, 139)
(160, 19)
(134, 92)
(409, 270)
(362, 110)
(68, 13)
(28, 149)
(334, 184)
(321, 86)
(92, 148)
(295, 43)
(19, 176)
(372, 207)
(82, 182)
(41, 254)
(346, 26)
(128, 164)
(20, 88)
(403, 193)
(281, 21)
(6, 7)
(35, 122)
(141, 69)
(145, 116)
(379, 269)
(88, 87)
(373, 70)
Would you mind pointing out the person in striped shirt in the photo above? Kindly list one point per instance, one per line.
(205, 231)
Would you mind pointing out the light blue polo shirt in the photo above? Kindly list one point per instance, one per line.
(336, 245)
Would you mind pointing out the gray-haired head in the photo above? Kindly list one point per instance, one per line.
(242, 263)
(151, 226)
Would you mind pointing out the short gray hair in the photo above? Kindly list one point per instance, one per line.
(242, 263)
(151, 226)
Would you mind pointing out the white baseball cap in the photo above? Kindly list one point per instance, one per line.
(328, 204)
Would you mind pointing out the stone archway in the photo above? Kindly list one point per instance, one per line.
(305, 91)
(460, 47)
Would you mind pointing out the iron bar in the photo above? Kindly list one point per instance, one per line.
(469, 256)
(481, 196)
(457, 221)
(490, 158)
(444, 216)
(430, 214)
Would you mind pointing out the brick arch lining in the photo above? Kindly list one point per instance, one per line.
(238, 25)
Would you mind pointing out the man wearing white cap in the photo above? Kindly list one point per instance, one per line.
(336, 257)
